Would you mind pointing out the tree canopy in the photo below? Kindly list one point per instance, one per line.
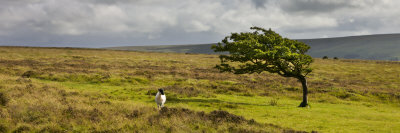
(265, 50)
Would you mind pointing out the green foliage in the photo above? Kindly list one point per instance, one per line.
(264, 50)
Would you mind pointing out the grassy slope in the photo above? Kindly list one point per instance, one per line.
(95, 90)
(377, 47)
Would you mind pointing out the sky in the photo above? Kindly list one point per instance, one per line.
(107, 23)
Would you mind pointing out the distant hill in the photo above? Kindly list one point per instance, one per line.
(192, 48)
(375, 47)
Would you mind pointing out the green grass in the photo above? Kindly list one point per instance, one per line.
(345, 117)
(84, 90)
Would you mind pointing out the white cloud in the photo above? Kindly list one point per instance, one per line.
(154, 19)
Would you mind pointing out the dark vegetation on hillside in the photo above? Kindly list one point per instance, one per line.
(372, 47)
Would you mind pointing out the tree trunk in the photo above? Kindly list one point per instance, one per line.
(305, 92)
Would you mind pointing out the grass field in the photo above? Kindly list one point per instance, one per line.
(89, 90)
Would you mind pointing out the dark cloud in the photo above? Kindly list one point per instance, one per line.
(259, 3)
(314, 6)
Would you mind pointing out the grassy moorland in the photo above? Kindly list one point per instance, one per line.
(86, 90)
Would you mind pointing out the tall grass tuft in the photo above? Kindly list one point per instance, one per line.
(273, 102)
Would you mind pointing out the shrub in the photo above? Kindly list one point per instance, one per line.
(3, 99)
(218, 116)
(325, 57)
(29, 74)
(22, 128)
(3, 128)
(335, 58)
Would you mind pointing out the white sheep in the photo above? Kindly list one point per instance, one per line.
(160, 98)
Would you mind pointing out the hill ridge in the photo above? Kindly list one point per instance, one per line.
(372, 47)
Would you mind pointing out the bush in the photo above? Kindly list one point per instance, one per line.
(3, 99)
(3, 128)
(336, 58)
(325, 57)
(22, 128)
(29, 74)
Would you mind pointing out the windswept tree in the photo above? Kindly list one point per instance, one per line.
(265, 50)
